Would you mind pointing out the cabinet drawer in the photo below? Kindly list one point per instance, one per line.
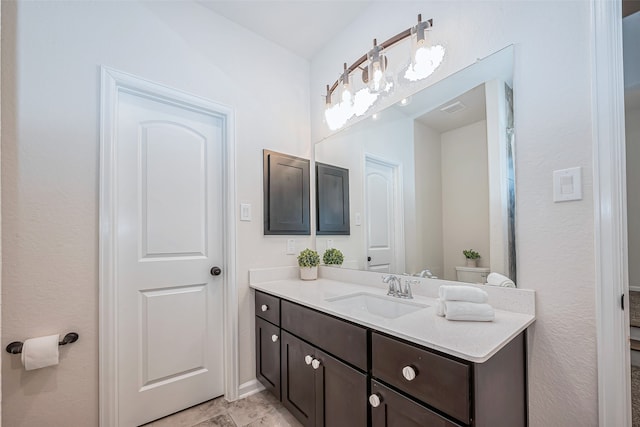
(338, 337)
(397, 410)
(268, 307)
(439, 382)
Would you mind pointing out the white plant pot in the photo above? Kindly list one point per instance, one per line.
(472, 263)
(308, 273)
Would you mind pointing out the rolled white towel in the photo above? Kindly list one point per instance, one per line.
(497, 279)
(440, 307)
(462, 293)
(469, 311)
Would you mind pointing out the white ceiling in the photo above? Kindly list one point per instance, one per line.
(474, 111)
(301, 26)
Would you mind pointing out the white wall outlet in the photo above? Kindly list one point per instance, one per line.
(245, 212)
(291, 247)
(357, 220)
(329, 243)
(567, 184)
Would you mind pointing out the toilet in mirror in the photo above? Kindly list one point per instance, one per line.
(431, 178)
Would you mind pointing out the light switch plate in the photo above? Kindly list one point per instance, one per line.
(329, 243)
(245, 212)
(567, 184)
(357, 220)
(291, 247)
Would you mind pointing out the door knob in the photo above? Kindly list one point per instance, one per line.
(215, 271)
(368, 258)
(274, 338)
(308, 359)
(315, 363)
(264, 307)
(375, 400)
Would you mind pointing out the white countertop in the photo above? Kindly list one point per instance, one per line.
(472, 341)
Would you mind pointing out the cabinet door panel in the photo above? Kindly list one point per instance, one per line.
(268, 356)
(396, 410)
(298, 379)
(341, 393)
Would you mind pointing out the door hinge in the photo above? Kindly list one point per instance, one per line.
(622, 302)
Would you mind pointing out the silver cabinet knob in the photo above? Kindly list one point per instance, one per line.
(264, 307)
(375, 399)
(274, 338)
(409, 373)
(315, 363)
(308, 359)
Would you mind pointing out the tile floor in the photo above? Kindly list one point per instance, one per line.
(260, 409)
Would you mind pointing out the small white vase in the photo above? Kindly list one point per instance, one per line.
(309, 273)
(472, 263)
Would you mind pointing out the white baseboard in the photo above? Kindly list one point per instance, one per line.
(250, 387)
(635, 288)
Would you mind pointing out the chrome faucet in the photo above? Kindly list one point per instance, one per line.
(394, 284)
(426, 273)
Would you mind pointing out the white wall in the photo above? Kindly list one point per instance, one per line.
(631, 34)
(632, 131)
(50, 108)
(0, 214)
(552, 90)
(465, 196)
(428, 166)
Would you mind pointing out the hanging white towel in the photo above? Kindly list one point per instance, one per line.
(497, 279)
(469, 311)
(40, 352)
(462, 293)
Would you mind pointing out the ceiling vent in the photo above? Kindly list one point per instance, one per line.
(454, 107)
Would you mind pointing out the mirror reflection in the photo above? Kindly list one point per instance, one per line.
(432, 179)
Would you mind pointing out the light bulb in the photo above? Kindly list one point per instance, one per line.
(346, 94)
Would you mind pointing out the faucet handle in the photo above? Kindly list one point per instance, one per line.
(407, 287)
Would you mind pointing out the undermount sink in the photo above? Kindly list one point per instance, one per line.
(379, 305)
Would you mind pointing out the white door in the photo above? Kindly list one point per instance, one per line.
(380, 215)
(169, 228)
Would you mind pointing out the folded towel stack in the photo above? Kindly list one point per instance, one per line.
(464, 303)
(497, 279)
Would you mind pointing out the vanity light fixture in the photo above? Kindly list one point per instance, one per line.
(376, 77)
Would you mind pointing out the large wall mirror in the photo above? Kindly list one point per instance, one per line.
(431, 177)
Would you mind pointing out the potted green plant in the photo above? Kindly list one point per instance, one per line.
(308, 260)
(472, 257)
(333, 256)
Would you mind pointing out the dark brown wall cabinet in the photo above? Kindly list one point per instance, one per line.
(332, 200)
(326, 365)
(286, 194)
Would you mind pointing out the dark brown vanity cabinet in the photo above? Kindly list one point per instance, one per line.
(394, 410)
(320, 390)
(331, 372)
(268, 339)
(489, 394)
(268, 355)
